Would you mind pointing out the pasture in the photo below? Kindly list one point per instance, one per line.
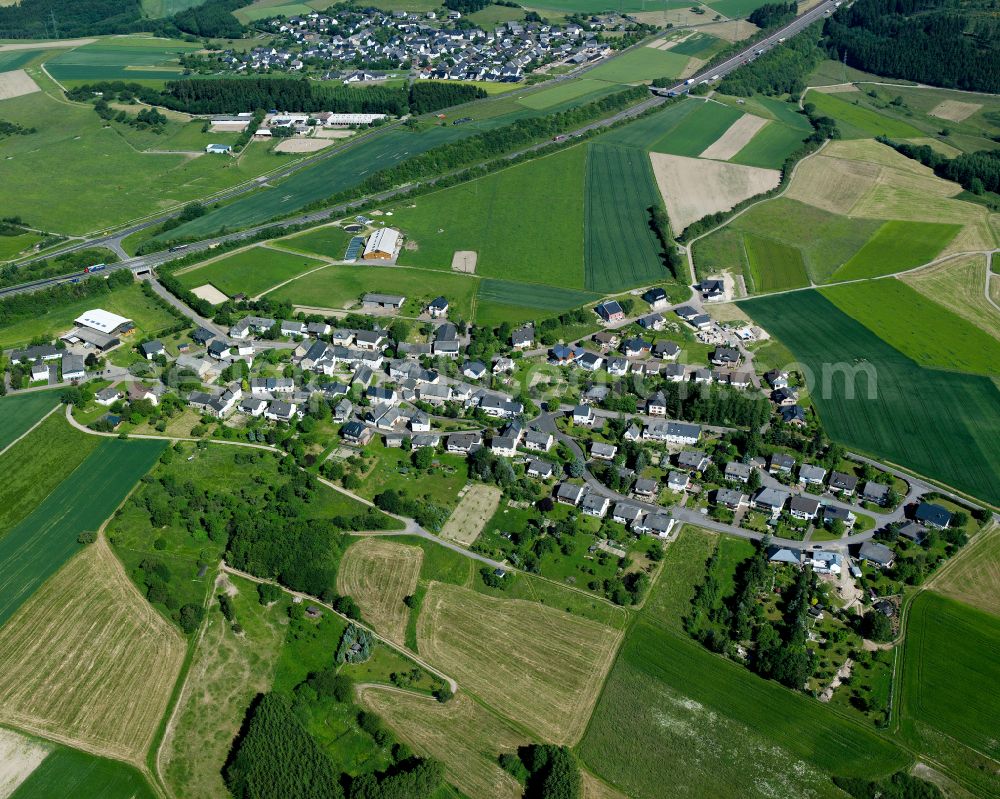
(957, 284)
(538, 664)
(698, 130)
(858, 122)
(329, 241)
(88, 660)
(70, 774)
(149, 315)
(918, 327)
(773, 266)
(941, 424)
(19, 412)
(524, 222)
(620, 248)
(251, 272)
(770, 146)
(896, 247)
(640, 64)
(46, 538)
(379, 575)
(462, 734)
(476, 507)
(709, 727)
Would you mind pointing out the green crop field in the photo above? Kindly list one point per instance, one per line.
(734, 9)
(920, 328)
(69, 774)
(774, 266)
(643, 132)
(697, 130)
(570, 90)
(640, 64)
(858, 122)
(704, 721)
(771, 146)
(898, 246)
(621, 250)
(330, 241)
(20, 411)
(16, 59)
(504, 300)
(150, 317)
(251, 272)
(942, 424)
(45, 539)
(700, 45)
(599, 6)
(524, 222)
(342, 286)
(120, 59)
(253, 13)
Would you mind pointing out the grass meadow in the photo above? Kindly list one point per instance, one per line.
(69, 774)
(251, 271)
(918, 327)
(858, 122)
(585, 89)
(941, 424)
(734, 9)
(646, 132)
(47, 537)
(974, 576)
(13, 246)
(958, 285)
(898, 246)
(500, 300)
(329, 241)
(773, 265)
(640, 64)
(771, 146)
(697, 130)
(18, 412)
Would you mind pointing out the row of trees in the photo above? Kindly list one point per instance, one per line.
(672, 259)
(713, 404)
(977, 172)
(64, 264)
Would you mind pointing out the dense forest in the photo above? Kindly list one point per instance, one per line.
(977, 172)
(237, 95)
(780, 70)
(931, 41)
(771, 15)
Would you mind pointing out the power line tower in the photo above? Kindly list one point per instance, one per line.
(55, 26)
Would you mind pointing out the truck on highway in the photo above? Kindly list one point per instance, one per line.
(178, 247)
(714, 78)
(782, 39)
(689, 81)
(95, 268)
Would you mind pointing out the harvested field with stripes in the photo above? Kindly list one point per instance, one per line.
(477, 506)
(378, 575)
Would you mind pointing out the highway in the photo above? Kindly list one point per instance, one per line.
(145, 262)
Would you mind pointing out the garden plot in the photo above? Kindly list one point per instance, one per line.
(735, 139)
(693, 188)
(19, 757)
(476, 507)
(954, 110)
(16, 83)
(379, 575)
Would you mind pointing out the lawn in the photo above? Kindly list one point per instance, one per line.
(251, 272)
(504, 300)
(858, 122)
(18, 412)
(150, 317)
(773, 265)
(330, 241)
(640, 64)
(339, 287)
(45, 539)
(697, 130)
(918, 327)
(896, 247)
(770, 147)
(70, 774)
(87, 660)
(941, 424)
(524, 223)
(704, 723)
(621, 250)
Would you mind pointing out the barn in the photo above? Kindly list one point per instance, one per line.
(382, 245)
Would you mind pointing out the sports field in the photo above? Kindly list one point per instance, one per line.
(621, 250)
(697, 130)
(87, 660)
(379, 575)
(958, 284)
(45, 539)
(462, 734)
(918, 327)
(342, 287)
(898, 246)
(942, 424)
(523, 222)
(534, 663)
(251, 272)
(857, 122)
(70, 774)
(774, 266)
(18, 412)
(640, 64)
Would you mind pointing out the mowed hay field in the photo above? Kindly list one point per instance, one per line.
(958, 284)
(537, 664)
(462, 734)
(945, 425)
(476, 507)
(46, 538)
(88, 661)
(19, 412)
(251, 271)
(974, 576)
(378, 575)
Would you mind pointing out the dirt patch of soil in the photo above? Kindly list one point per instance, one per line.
(19, 756)
(734, 139)
(464, 261)
(301, 145)
(210, 294)
(328, 133)
(46, 45)
(16, 83)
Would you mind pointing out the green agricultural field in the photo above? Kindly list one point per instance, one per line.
(252, 13)
(156, 9)
(13, 246)
(683, 568)
(251, 272)
(734, 9)
(340, 287)
(19, 412)
(45, 539)
(704, 722)
(640, 64)
(697, 130)
(69, 774)
(500, 300)
(494, 15)
(570, 90)
(120, 59)
(920, 328)
(896, 247)
(16, 59)
(643, 132)
(149, 315)
(599, 6)
(826, 240)
(770, 147)
(330, 241)
(524, 222)
(621, 250)
(942, 424)
(773, 266)
(857, 122)
(700, 45)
